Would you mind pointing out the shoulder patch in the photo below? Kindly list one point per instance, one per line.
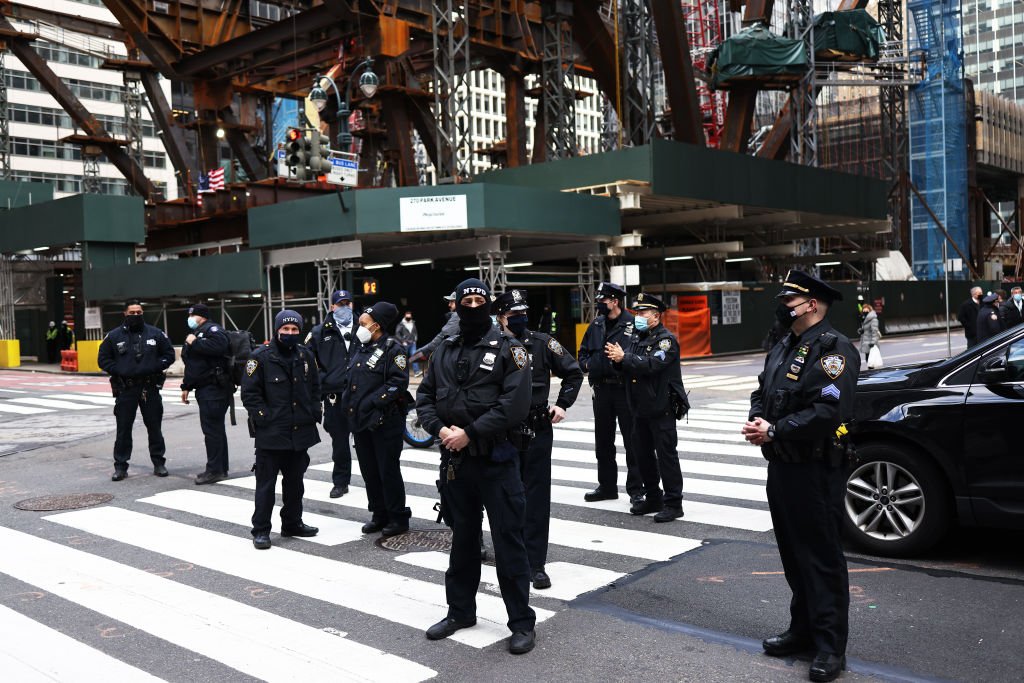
(555, 347)
(400, 361)
(520, 357)
(309, 337)
(214, 328)
(833, 364)
(250, 366)
(665, 344)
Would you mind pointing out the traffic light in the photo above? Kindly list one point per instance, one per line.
(299, 150)
(369, 286)
(319, 157)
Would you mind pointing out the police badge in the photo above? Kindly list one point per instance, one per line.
(665, 344)
(833, 365)
(250, 367)
(520, 357)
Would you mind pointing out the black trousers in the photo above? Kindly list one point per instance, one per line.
(654, 446)
(609, 407)
(144, 399)
(336, 424)
(211, 420)
(499, 489)
(291, 465)
(535, 469)
(806, 501)
(379, 453)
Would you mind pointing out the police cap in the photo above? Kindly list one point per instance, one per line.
(799, 283)
(512, 300)
(340, 295)
(609, 290)
(991, 298)
(647, 301)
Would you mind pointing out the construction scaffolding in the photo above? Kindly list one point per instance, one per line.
(704, 28)
(452, 67)
(558, 71)
(938, 139)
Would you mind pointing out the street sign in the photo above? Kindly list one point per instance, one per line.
(344, 169)
(93, 318)
(282, 160)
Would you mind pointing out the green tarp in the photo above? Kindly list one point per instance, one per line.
(756, 53)
(850, 35)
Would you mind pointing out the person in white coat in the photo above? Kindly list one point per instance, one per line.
(868, 330)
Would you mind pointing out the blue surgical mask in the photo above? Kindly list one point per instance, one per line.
(640, 323)
(1017, 297)
(193, 324)
(343, 316)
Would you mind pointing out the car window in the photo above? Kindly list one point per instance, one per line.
(1015, 361)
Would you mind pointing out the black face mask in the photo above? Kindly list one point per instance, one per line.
(786, 314)
(134, 322)
(602, 308)
(474, 322)
(517, 324)
(287, 342)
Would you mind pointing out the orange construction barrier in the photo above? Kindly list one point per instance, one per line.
(69, 360)
(692, 329)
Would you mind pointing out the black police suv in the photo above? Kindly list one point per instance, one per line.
(937, 444)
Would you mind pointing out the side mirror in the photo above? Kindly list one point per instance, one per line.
(993, 370)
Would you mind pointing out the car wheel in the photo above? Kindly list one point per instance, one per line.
(896, 502)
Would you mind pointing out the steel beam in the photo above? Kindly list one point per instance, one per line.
(83, 118)
(739, 116)
(515, 117)
(395, 109)
(173, 136)
(688, 250)
(333, 251)
(682, 217)
(162, 50)
(254, 167)
(76, 24)
(680, 86)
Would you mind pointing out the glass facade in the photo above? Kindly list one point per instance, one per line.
(994, 46)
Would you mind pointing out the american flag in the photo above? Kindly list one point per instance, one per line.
(210, 182)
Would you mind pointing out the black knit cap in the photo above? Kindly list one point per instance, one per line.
(472, 286)
(384, 313)
(799, 283)
(286, 317)
(202, 310)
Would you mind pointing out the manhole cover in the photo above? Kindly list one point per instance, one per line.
(72, 501)
(416, 540)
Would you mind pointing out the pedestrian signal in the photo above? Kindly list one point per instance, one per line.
(369, 287)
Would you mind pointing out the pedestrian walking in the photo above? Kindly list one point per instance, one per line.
(407, 335)
(968, 316)
(333, 343)
(547, 357)
(207, 373)
(613, 325)
(378, 379)
(649, 365)
(868, 330)
(475, 392)
(989, 323)
(136, 355)
(52, 354)
(449, 329)
(1011, 313)
(804, 395)
(281, 393)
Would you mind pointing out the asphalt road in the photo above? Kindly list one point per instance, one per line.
(162, 582)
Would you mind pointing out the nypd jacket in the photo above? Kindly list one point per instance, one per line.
(650, 369)
(484, 388)
(332, 358)
(203, 358)
(378, 377)
(806, 391)
(128, 354)
(281, 393)
(591, 356)
(547, 356)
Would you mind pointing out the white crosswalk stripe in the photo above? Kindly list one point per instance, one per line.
(203, 622)
(592, 545)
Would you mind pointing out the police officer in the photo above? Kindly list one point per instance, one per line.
(136, 355)
(989, 323)
(653, 379)
(613, 324)
(546, 357)
(205, 354)
(378, 378)
(333, 344)
(281, 392)
(804, 394)
(475, 392)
